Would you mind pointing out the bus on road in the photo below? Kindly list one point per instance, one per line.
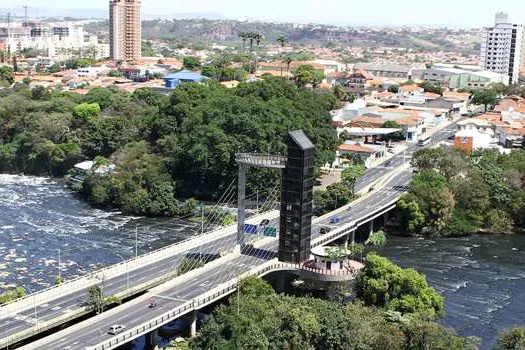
(424, 140)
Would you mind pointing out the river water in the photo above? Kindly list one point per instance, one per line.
(39, 216)
(481, 277)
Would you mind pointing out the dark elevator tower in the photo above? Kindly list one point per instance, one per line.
(296, 199)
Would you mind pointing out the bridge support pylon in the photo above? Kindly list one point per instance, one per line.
(151, 340)
(193, 325)
(241, 206)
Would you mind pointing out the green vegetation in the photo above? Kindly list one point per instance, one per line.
(335, 196)
(458, 194)
(95, 299)
(338, 194)
(260, 319)
(488, 98)
(12, 294)
(351, 175)
(435, 88)
(191, 63)
(6, 76)
(384, 284)
(512, 339)
(305, 75)
(163, 147)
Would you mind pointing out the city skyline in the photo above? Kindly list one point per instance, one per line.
(450, 13)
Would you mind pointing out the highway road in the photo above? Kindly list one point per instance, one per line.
(66, 303)
(136, 312)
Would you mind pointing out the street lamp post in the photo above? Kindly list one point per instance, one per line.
(34, 304)
(127, 269)
(59, 273)
(136, 241)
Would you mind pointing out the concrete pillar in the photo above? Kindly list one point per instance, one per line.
(385, 220)
(241, 197)
(151, 340)
(350, 237)
(279, 282)
(193, 325)
(371, 228)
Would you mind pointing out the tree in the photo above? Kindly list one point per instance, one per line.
(393, 89)
(498, 221)
(335, 196)
(96, 299)
(307, 75)
(512, 339)
(191, 63)
(6, 75)
(55, 68)
(339, 92)
(398, 135)
(351, 175)
(87, 111)
(410, 215)
(377, 239)
(384, 284)
(487, 98)
(433, 87)
(288, 61)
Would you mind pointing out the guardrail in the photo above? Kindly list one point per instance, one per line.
(121, 268)
(196, 304)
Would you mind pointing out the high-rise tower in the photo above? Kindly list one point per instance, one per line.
(125, 30)
(502, 48)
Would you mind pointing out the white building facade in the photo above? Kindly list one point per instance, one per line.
(502, 48)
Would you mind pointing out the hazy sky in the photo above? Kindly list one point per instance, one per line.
(462, 13)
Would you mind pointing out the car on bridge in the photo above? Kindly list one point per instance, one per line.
(335, 220)
(324, 230)
(116, 329)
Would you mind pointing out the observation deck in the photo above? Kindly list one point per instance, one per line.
(261, 160)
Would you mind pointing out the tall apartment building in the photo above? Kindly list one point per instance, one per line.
(502, 48)
(125, 30)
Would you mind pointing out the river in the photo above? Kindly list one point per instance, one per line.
(39, 216)
(481, 277)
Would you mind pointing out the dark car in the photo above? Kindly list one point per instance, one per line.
(264, 222)
(152, 304)
(324, 230)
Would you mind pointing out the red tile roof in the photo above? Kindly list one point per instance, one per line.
(355, 148)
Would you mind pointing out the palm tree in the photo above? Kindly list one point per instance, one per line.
(244, 36)
(282, 40)
(288, 60)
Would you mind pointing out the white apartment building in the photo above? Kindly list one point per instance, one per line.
(57, 39)
(502, 48)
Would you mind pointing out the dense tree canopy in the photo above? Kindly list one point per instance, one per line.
(163, 147)
(456, 193)
(385, 284)
(261, 320)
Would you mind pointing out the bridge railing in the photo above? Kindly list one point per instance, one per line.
(196, 304)
(121, 268)
(260, 159)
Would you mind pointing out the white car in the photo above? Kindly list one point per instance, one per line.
(116, 329)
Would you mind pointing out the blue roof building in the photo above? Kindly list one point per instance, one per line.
(171, 81)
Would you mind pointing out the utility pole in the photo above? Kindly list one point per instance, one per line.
(257, 198)
(59, 276)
